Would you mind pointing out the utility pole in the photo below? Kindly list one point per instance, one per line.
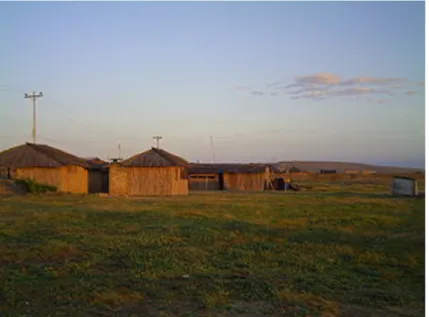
(157, 138)
(34, 98)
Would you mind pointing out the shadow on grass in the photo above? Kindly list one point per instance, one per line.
(361, 195)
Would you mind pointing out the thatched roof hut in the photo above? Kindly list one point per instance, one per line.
(253, 177)
(47, 165)
(154, 172)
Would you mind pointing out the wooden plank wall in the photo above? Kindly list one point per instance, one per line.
(245, 181)
(180, 187)
(74, 179)
(48, 176)
(151, 181)
(70, 179)
(146, 181)
(118, 180)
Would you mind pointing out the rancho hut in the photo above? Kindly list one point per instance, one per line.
(252, 177)
(46, 165)
(154, 172)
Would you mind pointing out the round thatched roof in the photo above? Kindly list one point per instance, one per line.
(38, 155)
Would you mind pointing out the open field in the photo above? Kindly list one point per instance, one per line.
(338, 251)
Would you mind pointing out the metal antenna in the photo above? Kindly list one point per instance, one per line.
(34, 98)
(213, 150)
(157, 138)
(116, 159)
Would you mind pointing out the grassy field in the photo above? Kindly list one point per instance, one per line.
(338, 251)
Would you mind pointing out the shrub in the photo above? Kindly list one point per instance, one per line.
(34, 187)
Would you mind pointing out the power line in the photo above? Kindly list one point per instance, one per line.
(91, 125)
(34, 97)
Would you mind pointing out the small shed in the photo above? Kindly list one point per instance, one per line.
(404, 186)
(246, 177)
(154, 172)
(352, 172)
(326, 171)
(295, 170)
(98, 176)
(46, 165)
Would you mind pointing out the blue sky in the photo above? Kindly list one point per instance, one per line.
(339, 81)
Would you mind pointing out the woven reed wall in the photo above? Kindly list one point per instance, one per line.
(146, 181)
(69, 179)
(245, 181)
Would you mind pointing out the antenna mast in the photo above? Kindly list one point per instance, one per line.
(119, 158)
(213, 150)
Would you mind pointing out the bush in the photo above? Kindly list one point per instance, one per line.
(34, 187)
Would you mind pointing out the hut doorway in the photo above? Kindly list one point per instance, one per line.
(221, 181)
(279, 184)
(98, 181)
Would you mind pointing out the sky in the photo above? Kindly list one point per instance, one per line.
(220, 81)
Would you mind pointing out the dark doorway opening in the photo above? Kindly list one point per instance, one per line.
(105, 182)
(279, 184)
(221, 181)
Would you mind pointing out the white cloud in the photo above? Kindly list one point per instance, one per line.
(308, 88)
(328, 85)
(317, 94)
(372, 80)
(319, 79)
(358, 91)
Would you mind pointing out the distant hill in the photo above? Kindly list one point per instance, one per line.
(340, 167)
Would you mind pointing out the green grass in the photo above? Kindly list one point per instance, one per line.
(347, 251)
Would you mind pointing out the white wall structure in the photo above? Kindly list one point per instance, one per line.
(404, 186)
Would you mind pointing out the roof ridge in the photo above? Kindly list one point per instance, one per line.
(162, 153)
(51, 154)
(33, 146)
(132, 157)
